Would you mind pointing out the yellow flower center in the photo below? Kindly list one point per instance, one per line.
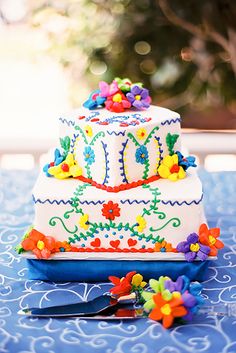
(142, 155)
(194, 247)
(166, 309)
(117, 98)
(212, 240)
(138, 97)
(40, 245)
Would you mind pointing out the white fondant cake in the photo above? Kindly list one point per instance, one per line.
(127, 192)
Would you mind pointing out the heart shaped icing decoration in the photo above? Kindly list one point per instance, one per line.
(96, 243)
(132, 242)
(115, 243)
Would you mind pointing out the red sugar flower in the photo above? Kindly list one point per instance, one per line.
(209, 237)
(123, 285)
(167, 310)
(117, 102)
(111, 210)
(42, 246)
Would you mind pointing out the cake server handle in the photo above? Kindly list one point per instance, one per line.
(223, 309)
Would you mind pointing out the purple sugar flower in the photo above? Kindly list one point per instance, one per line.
(139, 97)
(193, 249)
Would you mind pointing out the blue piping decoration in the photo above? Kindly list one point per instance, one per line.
(173, 203)
(130, 202)
(67, 122)
(159, 147)
(92, 115)
(121, 160)
(104, 145)
(85, 202)
(116, 133)
(51, 201)
(72, 146)
(172, 121)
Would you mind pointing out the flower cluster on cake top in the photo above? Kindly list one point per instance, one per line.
(118, 96)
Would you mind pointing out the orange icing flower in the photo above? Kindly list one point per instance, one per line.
(42, 246)
(163, 247)
(209, 237)
(167, 310)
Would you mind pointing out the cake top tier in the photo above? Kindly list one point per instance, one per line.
(106, 120)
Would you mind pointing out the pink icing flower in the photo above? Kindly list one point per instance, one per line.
(107, 90)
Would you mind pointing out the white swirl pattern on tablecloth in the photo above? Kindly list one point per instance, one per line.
(32, 335)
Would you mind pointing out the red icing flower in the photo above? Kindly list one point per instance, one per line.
(209, 237)
(117, 102)
(111, 210)
(42, 246)
(122, 286)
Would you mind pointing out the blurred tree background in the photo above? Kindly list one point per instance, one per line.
(184, 51)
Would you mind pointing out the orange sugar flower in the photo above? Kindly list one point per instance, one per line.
(42, 246)
(209, 237)
(167, 311)
(163, 247)
(62, 246)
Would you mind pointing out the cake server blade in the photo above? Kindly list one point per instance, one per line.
(93, 307)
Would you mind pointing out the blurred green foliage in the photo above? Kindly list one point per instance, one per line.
(184, 51)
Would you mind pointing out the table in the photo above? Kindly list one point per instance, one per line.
(25, 335)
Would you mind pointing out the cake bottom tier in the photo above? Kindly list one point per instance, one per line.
(136, 224)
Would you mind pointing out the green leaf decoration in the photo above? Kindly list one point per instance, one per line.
(155, 285)
(65, 144)
(19, 249)
(170, 141)
(147, 295)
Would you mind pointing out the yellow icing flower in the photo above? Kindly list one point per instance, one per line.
(137, 280)
(88, 130)
(169, 168)
(141, 223)
(141, 133)
(83, 221)
(67, 168)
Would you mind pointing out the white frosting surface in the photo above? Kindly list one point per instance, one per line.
(157, 114)
(180, 200)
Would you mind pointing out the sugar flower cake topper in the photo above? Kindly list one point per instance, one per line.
(118, 96)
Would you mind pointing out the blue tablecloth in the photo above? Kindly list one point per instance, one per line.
(21, 334)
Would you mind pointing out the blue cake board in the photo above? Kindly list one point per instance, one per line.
(99, 270)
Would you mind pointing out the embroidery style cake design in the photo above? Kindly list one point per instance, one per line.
(118, 186)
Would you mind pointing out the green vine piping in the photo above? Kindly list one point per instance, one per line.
(95, 227)
(137, 144)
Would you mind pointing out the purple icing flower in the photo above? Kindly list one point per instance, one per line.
(139, 97)
(193, 249)
(191, 294)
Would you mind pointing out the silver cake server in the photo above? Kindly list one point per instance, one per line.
(93, 307)
(108, 307)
